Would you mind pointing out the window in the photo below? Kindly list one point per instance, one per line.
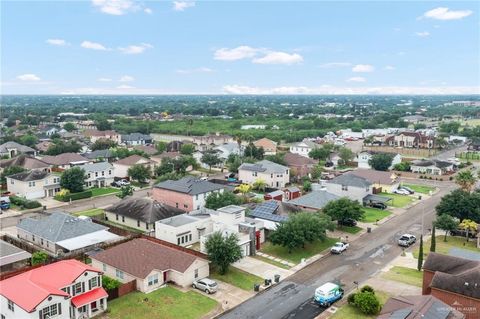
(96, 174)
(138, 222)
(33, 237)
(31, 184)
(66, 289)
(2, 317)
(92, 283)
(11, 305)
(183, 239)
(196, 197)
(146, 226)
(103, 173)
(178, 241)
(41, 241)
(104, 267)
(12, 181)
(119, 273)
(196, 273)
(77, 288)
(153, 280)
(109, 172)
(185, 206)
(88, 176)
(116, 216)
(176, 205)
(50, 311)
(344, 188)
(123, 219)
(190, 237)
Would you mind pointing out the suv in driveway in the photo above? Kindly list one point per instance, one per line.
(207, 285)
(463, 233)
(406, 240)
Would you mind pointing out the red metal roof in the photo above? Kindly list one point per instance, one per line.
(42, 282)
(89, 297)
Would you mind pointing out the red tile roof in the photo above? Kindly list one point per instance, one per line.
(30, 288)
(89, 297)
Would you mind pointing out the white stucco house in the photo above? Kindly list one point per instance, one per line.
(365, 156)
(275, 175)
(34, 184)
(303, 148)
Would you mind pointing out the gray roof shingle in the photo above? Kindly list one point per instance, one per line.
(34, 175)
(136, 137)
(315, 199)
(264, 166)
(14, 145)
(189, 185)
(97, 167)
(350, 180)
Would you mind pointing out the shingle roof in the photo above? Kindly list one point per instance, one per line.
(454, 274)
(264, 166)
(25, 162)
(374, 176)
(10, 254)
(139, 257)
(132, 160)
(58, 226)
(315, 199)
(293, 159)
(410, 307)
(14, 145)
(98, 154)
(350, 180)
(34, 175)
(189, 185)
(97, 167)
(136, 137)
(144, 209)
(436, 163)
(64, 159)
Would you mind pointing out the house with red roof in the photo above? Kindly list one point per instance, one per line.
(66, 289)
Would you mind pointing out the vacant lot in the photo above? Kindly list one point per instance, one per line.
(297, 254)
(373, 214)
(408, 276)
(422, 189)
(238, 278)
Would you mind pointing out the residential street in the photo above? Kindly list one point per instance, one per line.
(292, 298)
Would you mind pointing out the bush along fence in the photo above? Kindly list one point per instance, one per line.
(24, 203)
(74, 196)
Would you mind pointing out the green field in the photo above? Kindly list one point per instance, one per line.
(350, 312)
(444, 247)
(104, 191)
(408, 276)
(89, 212)
(296, 255)
(423, 189)
(238, 278)
(373, 214)
(163, 303)
(398, 200)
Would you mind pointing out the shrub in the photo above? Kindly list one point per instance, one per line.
(29, 204)
(110, 283)
(24, 203)
(450, 178)
(19, 201)
(351, 298)
(74, 196)
(39, 257)
(367, 302)
(367, 288)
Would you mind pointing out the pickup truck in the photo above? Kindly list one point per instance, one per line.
(406, 240)
(339, 248)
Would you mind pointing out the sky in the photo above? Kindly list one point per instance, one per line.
(240, 47)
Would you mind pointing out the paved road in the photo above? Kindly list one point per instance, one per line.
(450, 153)
(292, 298)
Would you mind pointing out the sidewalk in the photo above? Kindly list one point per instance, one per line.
(287, 263)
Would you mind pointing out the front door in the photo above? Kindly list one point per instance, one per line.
(164, 276)
(93, 306)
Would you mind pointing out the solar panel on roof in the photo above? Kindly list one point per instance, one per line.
(267, 207)
(272, 217)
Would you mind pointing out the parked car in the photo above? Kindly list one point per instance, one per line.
(339, 248)
(348, 222)
(377, 205)
(4, 203)
(408, 189)
(204, 178)
(327, 294)
(463, 233)
(401, 191)
(207, 285)
(406, 240)
(120, 183)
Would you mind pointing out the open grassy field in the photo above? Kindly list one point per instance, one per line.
(444, 247)
(238, 278)
(296, 255)
(163, 303)
(398, 200)
(408, 276)
(423, 189)
(373, 214)
(350, 312)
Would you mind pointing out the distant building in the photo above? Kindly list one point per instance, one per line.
(269, 146)
(136, 139)
(253, 127)
(414, 119)
(411, 140)
(65, 160)
(95, 135)
(432, 167)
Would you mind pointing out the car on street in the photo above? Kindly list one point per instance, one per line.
(401, 191)
(206, 285)
(406, 240)
(120, 183)
(327, 294)
(408, 189)
(348, 222)
(339, 248)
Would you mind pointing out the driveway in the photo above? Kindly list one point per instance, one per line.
(261, 269)
(228, 296)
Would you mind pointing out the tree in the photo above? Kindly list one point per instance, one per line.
(449, 127)
(278, 158)
(367, 303)
(447, 223)
(319, 153)
(345, 154)
(139, 173)
(103, 125)
(166, 167)
(29, 140)
(223, 250)
(316, 172)
(469, 226)
(103, 144)
(210, 158)
(161, 147)
(254, 152)
(125, 191)
(307, 186)
(187, 149)
(381, 161)
(433, 242)
(60, 147)
(39, 258)
(233, 163)
(259, 185)
(73, 179)
(460, 204)
(403, 167)
(419, 126)
(466, 180)
(69, 127)
(343, 208)
(244, 189)
(217, 200)
(10, 171)
(420, 255)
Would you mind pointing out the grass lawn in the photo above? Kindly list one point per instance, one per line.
(444, 247)
(163, 303)
(349, 229)
(350, 312)
(406, 275)
(272, 262)
(90, 212)
(104, 191)
(297, 255)
(237, 278)
(422, 189)
(398, 200)
(373, 214)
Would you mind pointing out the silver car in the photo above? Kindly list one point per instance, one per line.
(207, 285)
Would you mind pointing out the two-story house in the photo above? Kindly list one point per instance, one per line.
(349, 185)
(411, 140)
(303, 148)
(188, 193)
(99, 174)
(67, 289)
(275, 175)
(95, 135)
(134, 139)
(34, 184)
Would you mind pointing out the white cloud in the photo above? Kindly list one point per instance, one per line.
(238, 53)
(363, 68)
(126, 78)
(104, 80)
(57, 42)
(389, 68)
(125, 87)
(422, 34)
(93, 46)
(136, 49)
(29, 77)
(279, 58)
(196, 70)
(443, 13)
(148, 11)
(118, 7)
(334, 65)
(182, 5)
(357, 79)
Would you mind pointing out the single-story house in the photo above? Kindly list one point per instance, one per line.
(25, 162)
(61, 233)
(136, 139)
(432, 167)
(140, 213)
(12, 257)
(121, 166)
(269, 213)
(99, 155)
(147, 149)
(12, 149)
(34, 184)
(299, 165)
(314, 200)
(269, 146)
(151, 264)
(387, 181)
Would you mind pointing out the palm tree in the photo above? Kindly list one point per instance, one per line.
(466, 180)
(260, 185)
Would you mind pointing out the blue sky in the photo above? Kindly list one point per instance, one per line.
(227, 47)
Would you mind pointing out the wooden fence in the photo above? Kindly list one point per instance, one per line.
(414, 152)
(124, 289)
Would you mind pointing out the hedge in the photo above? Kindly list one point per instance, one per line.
(24, 203)
(74, 196)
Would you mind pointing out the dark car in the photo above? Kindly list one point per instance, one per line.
(378, 205)
(463, 233)
(348, 222)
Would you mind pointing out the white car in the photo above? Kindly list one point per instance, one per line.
(401, 191)
(339, 248)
